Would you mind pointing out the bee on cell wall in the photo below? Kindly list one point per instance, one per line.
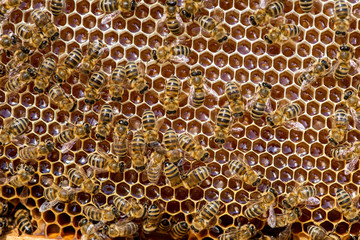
(92, 57)
(319, 233)
(117, 83)
(61, 99)
(112, 8)
(345, 56)
(288, 216)
(171, 18)
(16, 83)
(243, 232)
(190, 8)
(260, 103)
(121, 229)
(45, 25)
(192, 148)
(130, 207)
(120, 136)
(316, 70)
(13, 130)
(242, 170)
(269, 11)
(173, 52)
(9, 43)
(23, 221)
(154, 215)
(347, 205)
(137, 151)
(104, 125)
(235, 99)
(93, 87)
(282, 33)
(70, 64)
(171, 143)
(45, 72)
(213, 25)
(29, 33)
(339, 128)
(35, 152)
(19, 58)
(283, 114)
(203, 218)
(342, 18)
(301, 194)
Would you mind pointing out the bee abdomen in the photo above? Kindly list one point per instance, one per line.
(257, 111)
(341, 71)
(108, 6)
(27, 153)
(74, 58)
(56, 7)
(180, 50)
(341, 9)
(275, 9)
(65, 136)
(306, 5)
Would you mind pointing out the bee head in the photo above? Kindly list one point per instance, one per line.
(205, 156)
(73, 107)
(122, 166)
(344, 48)
(133, 5)
(83, 222)
(50, 145)
(223, 39)
(252, 20)
(87, 128)
(43, 44)
(96, 189)
(267, 39)
(273, 191)
(267, 85)
(196, 72)
(99, 137)
(348, 94)
(333, 142)
(89, 102)
(257, 182)
(186, 14)
(55, 36)
(221, 141)
(154, 55)
(25, 50)
(32, 72)
(325, 64)
(252, 229)
(116, 99)
(298, 211)
(171, 3)
(14, 40)
(144, 89)
(340, 33)
(142, 168)
(238, 114)
(171, 112)
(270, 121)
(123, 122)
(29, 169)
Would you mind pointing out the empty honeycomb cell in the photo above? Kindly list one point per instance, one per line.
(152, 192)
(273, 50)
(19, 112)
(10, 152)
(280, 63)
(264, 63)
(281, 134)
(267, 133)
(343, 178)
(279, 161)
(286, 174)
(259, 146)
(272, 173)
(273, 147)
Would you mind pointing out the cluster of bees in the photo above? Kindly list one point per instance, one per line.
(170, 154)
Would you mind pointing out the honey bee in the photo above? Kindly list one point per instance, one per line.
(267, 12)
(35, 152)
(289, 216)
(103, 162)
(199, 90)
(135, 75)
(62, 100)
(282, 116)
(117, 83)
(55, 194)
(45, 71)
(342, 18)
(120, 229)
(172, 174)
(44, 23)
(222, 125)
(115, 7)
(7, 7)
(71, 62)
(4, 224)
(89, 231)
(16, 83)
(20, 57)
(56, 7)
(13, 129)
(93, 55)
(120, 145)
(137, 151)
(30, 34)
(234, 96)
(346, 205)
(72, 134)
(179, 230)
(92, 90)
(106, 214)
(23, 174)
(204, 216)
(172, 19)
(214, 27)
(261, 205)
(103, 128)
(344, 56)
(260, 103)
(8, 43)
(241, 169)
(22, 221)
(317, 70)
(196, 177)
(164, 225)
(193, 148)
(155, 165)
(77, 176)
(190, 8)
(244, 232)
(340, 124)
(301, 193)
(319, 233)
(306, 5)
(170, 141)
(171, 52)
(172, 92)
(350, 154)
(282, 33)
(130, 207)
(153, 219)
(150, 127)
(4, 207)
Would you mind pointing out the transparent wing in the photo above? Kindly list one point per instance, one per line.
(67, 146)
(345, 151)
(179, 59)
(294, 125)
(210, 91)
(271, 220)
(268, 107)
(312, 201)
(263, 3)
(109, 17)
(191, 95)
(355, 118)
(350, 167)
(252, 101)
(218, 15)
(161, 23)
(48, 205)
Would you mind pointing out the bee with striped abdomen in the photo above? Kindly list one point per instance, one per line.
(22, 221)
(105, 214)
(171, 98)
(316, 70)
(13, 129)
(193, 148)
(346, 205)
(282, 33)
(150, 127)
(340, 125)
(282, 117)
(190, 8)
(93, 55)
(135, 73)
(101, 161)
(319, 233)
(9, 43)
(234, 96)
(137, 151)
(241, 169)
(45, 72)
(104, 125)
(19, 58)
(45, 25)
(29, 33)
(89, 231)
(306, 5)
(172, 174)
(55, 194)
(199, 89)
(173, 21)
(156, 161)
(35, 152)
(195, 177)
(301, 194)
(69, 136)
(204, 216)
(171, 52)
(153, 218)
(71, 62)
(260, 103)
(4, 225)
(7, 7)
(213, 25)
(77, 176)
(288, 217)
(244, 232)
(179, 230)
(261, 205)
(56, 7)
(121, 229)
(117, 83)
(164, 225)
(130, 208)
(120, 135)
(171, 143)
(115, 7)
(345, 54)
(267, 12)
(93, 87)
(23, 174)
(63, 101)
(342, 18)
(16, 83)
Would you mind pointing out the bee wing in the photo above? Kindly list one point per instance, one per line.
(218, 15)
(312, 201)
(268, 107)
(67, 146)
(271, 220)
(48, 205)
(179, 59)
(161, 24)
(346, 151)
(350, 167)
(252, 101)
(355, 118)
(210, 91)
(191, 95)
(109, 17)
(294, 125)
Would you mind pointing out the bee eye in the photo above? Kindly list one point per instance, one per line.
(126, 123)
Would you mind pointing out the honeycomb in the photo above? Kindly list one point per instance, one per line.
(281, 155)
